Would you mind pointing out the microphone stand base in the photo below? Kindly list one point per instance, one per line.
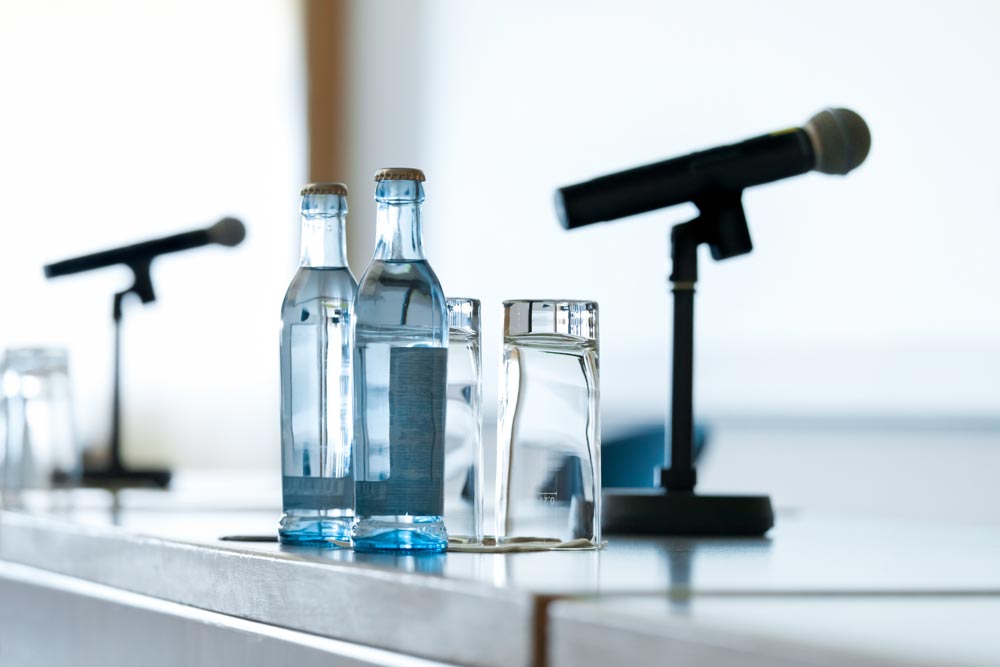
(150, 478)
(659, 512)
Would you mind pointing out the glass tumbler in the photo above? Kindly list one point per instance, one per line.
(548, 432)
(39, 448)
(463, 458)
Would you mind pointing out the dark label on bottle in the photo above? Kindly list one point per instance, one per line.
(317, 493)
(418, 378)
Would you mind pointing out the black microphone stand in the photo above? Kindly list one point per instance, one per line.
(117, 474)
(674, 508)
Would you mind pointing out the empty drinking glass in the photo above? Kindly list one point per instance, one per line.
(39, 448)
(548, 440)
(463, 458)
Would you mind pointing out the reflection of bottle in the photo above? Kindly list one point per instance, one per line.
(316, 382)
(401, 360)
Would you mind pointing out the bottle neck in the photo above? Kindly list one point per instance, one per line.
(324, 235)
(398, 231)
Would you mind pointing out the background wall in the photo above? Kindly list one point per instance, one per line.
(867, 297)
(872, 295)
(122, 121)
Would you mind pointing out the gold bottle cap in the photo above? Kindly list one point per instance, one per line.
(324, 189)
(399, 174)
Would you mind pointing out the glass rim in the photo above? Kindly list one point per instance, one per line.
(531, 317)
(569, 302)
(462, 299)
(17, 356)
(463, 314)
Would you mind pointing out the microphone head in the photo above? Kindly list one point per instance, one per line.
(227, 232)
(840, 139)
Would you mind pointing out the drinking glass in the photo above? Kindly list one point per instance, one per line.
(39, 448)
(463, 459)
(548, 439)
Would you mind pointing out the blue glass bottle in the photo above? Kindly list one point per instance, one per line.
(401, 359)
(316, 377)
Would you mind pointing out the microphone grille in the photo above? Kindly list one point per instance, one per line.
(840, 139)
(227, 232)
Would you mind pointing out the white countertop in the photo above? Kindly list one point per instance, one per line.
(818, 585)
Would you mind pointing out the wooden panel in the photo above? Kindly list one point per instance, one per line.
(326, 73)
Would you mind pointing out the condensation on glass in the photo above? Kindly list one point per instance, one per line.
(463, 459)
(548, 431)
(316, 376)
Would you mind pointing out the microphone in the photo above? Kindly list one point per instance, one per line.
(834, 141)
(227, 232)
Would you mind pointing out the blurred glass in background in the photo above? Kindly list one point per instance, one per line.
(39, 449)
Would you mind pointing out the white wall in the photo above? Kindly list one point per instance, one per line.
(122, 121)
(874, 294)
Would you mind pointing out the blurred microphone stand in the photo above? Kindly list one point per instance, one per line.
(138, 258)
(116, 474)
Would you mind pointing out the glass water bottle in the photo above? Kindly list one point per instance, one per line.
(401, 360)
(316, 382)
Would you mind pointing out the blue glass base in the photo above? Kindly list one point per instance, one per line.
(313, 531)
(400, 535)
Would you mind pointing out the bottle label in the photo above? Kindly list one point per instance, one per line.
(418, 378)
(317, 493)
